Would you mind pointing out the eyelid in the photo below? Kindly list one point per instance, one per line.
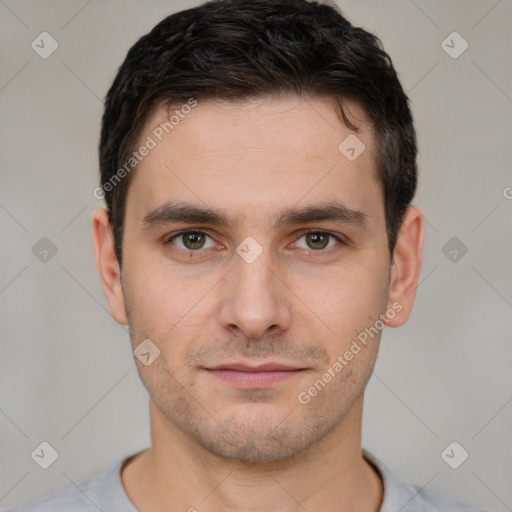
(312, 252)
(170, 238)
(306, 231)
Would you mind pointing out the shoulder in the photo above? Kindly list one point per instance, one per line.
(407, 497)
(418, 499)
(88, 495)
(82, 498)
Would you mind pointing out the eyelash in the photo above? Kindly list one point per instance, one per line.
(310, 253)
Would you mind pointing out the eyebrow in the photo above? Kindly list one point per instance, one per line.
(177, 212)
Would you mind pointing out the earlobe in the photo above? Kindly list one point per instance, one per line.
(406, 266)
(107, 264)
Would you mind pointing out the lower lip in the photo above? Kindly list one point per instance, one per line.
(253, 380)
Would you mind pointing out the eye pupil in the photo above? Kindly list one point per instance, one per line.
(193, 237)
(315, 238)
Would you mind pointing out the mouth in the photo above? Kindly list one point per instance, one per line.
(245, 376)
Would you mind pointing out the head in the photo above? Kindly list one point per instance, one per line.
(279, 136)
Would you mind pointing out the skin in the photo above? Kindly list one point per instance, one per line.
(216, 447)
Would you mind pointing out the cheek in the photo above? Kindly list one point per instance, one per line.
(162, 292)
(169, 308)
(343, 302)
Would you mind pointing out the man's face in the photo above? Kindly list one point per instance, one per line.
(289, 295)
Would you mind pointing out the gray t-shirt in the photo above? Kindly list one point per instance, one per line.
(104, 492)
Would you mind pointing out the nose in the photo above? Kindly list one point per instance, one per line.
(254, 298)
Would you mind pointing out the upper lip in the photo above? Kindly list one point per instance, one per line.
(244, 367)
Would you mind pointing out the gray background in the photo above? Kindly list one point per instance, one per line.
(67, 373)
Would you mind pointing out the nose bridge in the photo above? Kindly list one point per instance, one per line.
(254, 298)
(256, 273)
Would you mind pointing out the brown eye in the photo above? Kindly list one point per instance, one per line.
(318, 240)
(191, 240)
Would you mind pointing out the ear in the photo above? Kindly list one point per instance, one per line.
(107, 264)
(406, 266)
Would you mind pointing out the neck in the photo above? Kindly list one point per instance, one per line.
(330, 475)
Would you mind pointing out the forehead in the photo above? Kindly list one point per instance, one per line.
(256, 156)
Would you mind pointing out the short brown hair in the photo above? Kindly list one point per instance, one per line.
(241, 49)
